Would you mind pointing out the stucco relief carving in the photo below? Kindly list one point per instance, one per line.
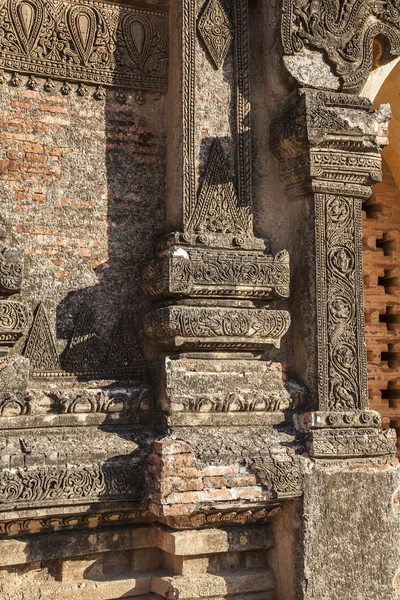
(217, 209)
(11, 270)
(89, 41)
(280, 473)
(342, 348)
(41, 348)
(56, 484)
(207, 272)
(351, 443)
(329, 148)
(216, 31)
(217, 327)
(343, 32)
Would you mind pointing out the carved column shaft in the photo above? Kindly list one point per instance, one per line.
(329, 146)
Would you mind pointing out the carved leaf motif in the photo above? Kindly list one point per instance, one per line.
(27, 18)
(82, 24)
(138, 31)
(216, 31)
(40, 347)
(85, 41)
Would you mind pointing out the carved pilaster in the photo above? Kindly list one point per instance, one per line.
(212, 280)
(329, 147)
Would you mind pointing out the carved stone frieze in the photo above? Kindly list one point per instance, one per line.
(87, 41)
(14, 320)
(351, 443)
(331, 165)
(90, 400)
(21, 527)
(58, 484)
(333, 420)
(211, 518)
(280, 473)
(216, 273)
(216, 327)
(11, 271)
(216, 31)
(235, 386)
(325, 130)
(343, 33)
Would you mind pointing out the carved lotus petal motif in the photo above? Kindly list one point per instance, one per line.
(82, 23)
(27, 18)
(138, 33)
(216, 31)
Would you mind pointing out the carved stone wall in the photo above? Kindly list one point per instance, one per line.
(154, 444)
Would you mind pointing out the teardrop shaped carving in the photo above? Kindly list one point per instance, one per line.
(138, 33)
(82, 22)
(27, 18)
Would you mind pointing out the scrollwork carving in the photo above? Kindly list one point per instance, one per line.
(341, 345)
(88, 41)
(14, 319)
(343, 32)
(207, 273)
(11, 271)
(280, 473)
(197, 327)
(58, 483)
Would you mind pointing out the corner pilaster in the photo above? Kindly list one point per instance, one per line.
(329, 149)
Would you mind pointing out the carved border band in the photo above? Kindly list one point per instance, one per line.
(85, 41)
(209, 327)
(342, 378)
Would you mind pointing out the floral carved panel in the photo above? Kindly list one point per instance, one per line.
(86, 41)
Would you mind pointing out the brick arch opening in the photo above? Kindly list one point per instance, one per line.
(381, 259)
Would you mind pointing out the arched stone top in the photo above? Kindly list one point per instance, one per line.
(332, 45)
(389, 92)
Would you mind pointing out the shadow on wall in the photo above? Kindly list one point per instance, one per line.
(102, 322)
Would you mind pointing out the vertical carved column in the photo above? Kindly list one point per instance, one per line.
(211, 282)
(329, 147)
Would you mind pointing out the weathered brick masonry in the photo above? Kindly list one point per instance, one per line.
(381, 259)
(81, 184)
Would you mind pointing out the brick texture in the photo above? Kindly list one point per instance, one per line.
(381, 258)
(81, 187)
(178, 487)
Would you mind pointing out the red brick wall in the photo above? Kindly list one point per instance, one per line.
(381, 257)
(81, 186)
